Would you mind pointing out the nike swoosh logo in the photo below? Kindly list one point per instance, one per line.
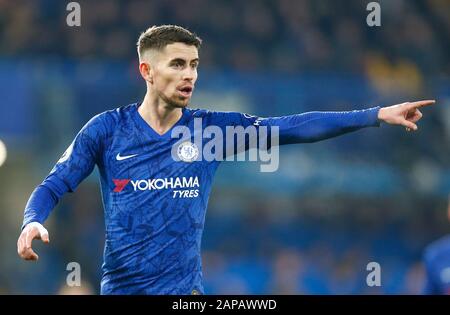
(121, 158)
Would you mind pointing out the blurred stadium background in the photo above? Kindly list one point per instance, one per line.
(310, 228)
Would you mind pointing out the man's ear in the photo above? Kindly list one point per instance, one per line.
(146, 71)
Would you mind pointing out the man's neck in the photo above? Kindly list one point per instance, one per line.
(158, 114)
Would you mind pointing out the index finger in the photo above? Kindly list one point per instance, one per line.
(421, 103)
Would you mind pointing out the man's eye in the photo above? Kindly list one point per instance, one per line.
(177, 65)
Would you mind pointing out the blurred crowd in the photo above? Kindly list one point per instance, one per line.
(313, 226)
(285, 35)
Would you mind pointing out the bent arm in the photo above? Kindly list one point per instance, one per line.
(43, 199)
(74, 166)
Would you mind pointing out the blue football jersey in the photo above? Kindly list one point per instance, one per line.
(154, 196)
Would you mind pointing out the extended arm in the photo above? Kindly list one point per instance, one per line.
(316, 126)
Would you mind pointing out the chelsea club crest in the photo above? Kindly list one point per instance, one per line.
(187, 151)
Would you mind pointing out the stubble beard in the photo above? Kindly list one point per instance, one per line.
(174, 102)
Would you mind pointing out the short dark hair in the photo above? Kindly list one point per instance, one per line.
(158, 37)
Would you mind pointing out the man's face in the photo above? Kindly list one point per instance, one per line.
(175, 73)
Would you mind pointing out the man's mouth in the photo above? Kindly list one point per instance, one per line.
(185, 91)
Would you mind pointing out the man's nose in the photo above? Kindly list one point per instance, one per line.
(189, 74)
